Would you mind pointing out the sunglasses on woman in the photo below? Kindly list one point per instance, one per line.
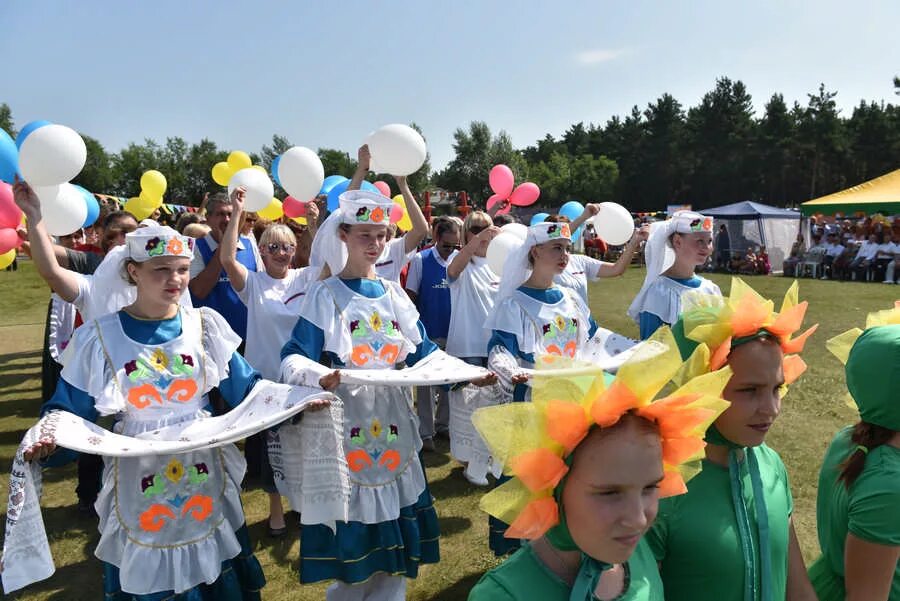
(274, 247)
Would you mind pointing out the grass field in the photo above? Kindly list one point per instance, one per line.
(812, 412)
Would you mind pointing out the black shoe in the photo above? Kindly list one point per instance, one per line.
(86, 507)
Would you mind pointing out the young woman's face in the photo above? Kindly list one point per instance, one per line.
(552, 257)
(611, 494)
(365, 242)
(162, 279)
(693, 248)
(754, 392)
(277, 254)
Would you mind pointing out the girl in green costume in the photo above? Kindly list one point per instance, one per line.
(731, 536)
(590, 464)
(858, 507)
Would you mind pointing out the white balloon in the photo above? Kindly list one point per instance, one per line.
(301, 173)
(52, 155)
(499, 248)
(613, 224)
(260, 189)
(518, 230)
(63, 208)
(397, 149)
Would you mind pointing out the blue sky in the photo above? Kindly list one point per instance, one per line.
(327, 73)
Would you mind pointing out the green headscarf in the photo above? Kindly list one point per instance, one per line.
(872, 369)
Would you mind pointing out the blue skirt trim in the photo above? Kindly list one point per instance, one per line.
(357, 551)
(241, 580)
(498, 543)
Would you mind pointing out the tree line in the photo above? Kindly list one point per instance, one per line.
(717, 152)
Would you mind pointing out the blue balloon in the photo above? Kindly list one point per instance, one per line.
(93, 207)
(577, 233)
(330, 182)
(572, 209)
(334, 194)
(538, 218)
(9, 158)
(25, 131)
(275, 162)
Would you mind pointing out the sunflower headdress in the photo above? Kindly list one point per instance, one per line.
(871, 358)
(535, 440)
(723, 323)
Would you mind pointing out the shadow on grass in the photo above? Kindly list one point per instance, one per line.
(452, 524)
(454, 485)
(458, 590)
(278, 549)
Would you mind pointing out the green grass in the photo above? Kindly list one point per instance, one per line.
(813, 410)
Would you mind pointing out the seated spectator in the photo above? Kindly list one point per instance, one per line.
(884, 257)
(789, 266)
(833, 251)
(864, 258)
(747, 265)
(763, 265)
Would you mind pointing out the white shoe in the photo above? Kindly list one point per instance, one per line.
(483, 481)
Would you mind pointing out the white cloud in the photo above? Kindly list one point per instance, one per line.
(594, 57)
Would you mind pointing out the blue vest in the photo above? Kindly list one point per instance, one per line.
(222, 297)
(433, 300)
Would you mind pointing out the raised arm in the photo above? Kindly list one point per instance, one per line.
(62, 281)
(608, 270)
(237, 273)
(419, 226)
(590, 210)
(468, 251)
(363, 158)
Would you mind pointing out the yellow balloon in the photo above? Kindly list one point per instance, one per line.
(7, 258)
(260, 168)
(221, 173)
(154, 183)
(405, 223)
(238, 160)
(300, 220)
(150, 201)
(272, 211)
(136, 208)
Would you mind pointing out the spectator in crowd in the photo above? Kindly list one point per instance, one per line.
(723, 248)
(891, 272)
(885, 256)
(747, 265)
(196, 230)
(185, 219)
(833, 251)
(797, 250)
(864, 258)
(429, 289)
(763, 265)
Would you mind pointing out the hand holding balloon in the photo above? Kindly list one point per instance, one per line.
(27, 200)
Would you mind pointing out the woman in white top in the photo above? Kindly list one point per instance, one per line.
(583, 269)
(473, 290)
(273, 299)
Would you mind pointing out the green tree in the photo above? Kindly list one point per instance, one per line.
(774, 152)
(822, 144)
(97, 175)
(662, 150)
(336, 162)
(6, 120)
(585, 178)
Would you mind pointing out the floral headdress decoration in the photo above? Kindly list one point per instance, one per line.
(723, 323)
(871, 359)
(535, 440)
(146, 243)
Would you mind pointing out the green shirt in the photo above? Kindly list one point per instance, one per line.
(696, 537)
(870, 509)
(524, 577)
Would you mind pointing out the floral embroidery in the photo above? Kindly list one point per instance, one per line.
(175, 247)
(560, 322)
(362, 214)
(361, 354)
(183, 365)
(137, 370)
(175, 470)
(155, 247)
(393, 433)
(358, 460)
(198, 473)
(141, 396)
(153, 519)
(182, 390)
(153, 485)
(392, 328)
(376, 428)
(377, 215)
(159, 361)
(199, 506)
(389, 353)
(390, 459)
(375, 321)
(356, 436)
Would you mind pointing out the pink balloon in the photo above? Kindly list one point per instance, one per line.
(396, 212)
(525, 194)
(384, 188)
(293, 207)
(497, 199)
(501, 180)
(9, 240)
(10, 214)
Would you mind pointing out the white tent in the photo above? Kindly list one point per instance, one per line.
(753, 224)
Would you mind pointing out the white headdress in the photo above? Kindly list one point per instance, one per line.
(517, 268)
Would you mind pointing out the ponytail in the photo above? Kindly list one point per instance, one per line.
(866, 437)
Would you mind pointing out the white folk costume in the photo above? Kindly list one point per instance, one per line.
(472, 297)
(527, 323)
(368, 325)
(171, 520)
(659, 300)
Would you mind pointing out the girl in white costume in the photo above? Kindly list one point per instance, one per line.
(533, 316)
(273, 299)
(356, 320)
(473, 290)
(674, 249)
(171, 526)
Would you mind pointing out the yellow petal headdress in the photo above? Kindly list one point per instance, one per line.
(533, 440)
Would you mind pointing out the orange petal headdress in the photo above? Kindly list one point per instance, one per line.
(533, 440)
(719, 322)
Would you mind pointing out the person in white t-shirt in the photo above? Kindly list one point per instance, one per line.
(583, 269)
(399, 251)
(833, 250)
(473, 291)
(273, 299)
(886, 259)
(864, 258)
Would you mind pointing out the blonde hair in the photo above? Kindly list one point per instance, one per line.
(196, 230)
(476, 219)
(277, 232)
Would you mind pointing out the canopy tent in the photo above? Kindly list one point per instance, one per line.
(752, 224)
(880, 195)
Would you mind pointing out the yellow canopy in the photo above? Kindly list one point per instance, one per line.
(880, 195)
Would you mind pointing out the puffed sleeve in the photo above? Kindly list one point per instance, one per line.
(85, 368)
